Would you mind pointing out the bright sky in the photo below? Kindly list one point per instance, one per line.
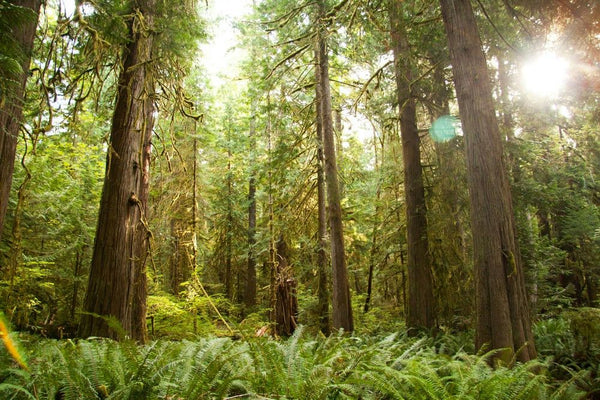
(219, 56)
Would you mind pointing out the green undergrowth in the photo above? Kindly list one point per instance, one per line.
(301, 367)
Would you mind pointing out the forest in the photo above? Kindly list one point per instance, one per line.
(357, 199)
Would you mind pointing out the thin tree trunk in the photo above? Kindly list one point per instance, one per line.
(503, 320)
(175, 258)
(192, 269)
(75, 296)
(342, 306)
(421, 304)
(11, 106)
(373, 252)
(374, 233)
(250, 292)
(272, 265)
(117, 283)
(323, 292)
(229, 232)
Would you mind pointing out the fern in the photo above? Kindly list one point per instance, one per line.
(212, 367)
(337, 367)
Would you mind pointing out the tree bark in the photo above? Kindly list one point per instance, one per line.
(76, 270)
(374, 232)
(286, 309)
(503, 320)
(117, 283)
(342, 306)
(250, 292)
(11, 106)
(323, 292)
(374, 246)
(176, 260)
(229, 229)
(421, 304)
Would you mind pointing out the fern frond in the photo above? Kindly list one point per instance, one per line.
(15, 389)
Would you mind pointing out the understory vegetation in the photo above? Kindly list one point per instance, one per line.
(392, 366)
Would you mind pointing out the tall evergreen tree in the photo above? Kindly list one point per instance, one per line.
(421, 306)
(12, 93)
(341, 305)
(503, 320)
(322, 265)
(250, 289)
(117, 283)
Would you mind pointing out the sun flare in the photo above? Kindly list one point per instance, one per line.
(545, 75)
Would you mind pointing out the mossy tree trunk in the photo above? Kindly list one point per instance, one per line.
(11, 105)
(117, 283)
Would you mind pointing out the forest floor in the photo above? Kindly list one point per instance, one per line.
(304, 366)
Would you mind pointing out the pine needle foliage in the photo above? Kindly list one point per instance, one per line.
(301, 367)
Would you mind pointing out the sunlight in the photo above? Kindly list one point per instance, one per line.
(545, 75)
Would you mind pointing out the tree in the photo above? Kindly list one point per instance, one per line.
(421, 306)
(11, 105)
(323, 292)
(503, 320)
(250, 289)
(117, 283)
(341, 305)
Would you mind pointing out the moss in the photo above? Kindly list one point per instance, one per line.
(585, 326)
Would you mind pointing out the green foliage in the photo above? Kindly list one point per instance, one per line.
(177, 319)
(338, 367)
(57, 225)
(12, 17)
(585, 326)
(570, 344)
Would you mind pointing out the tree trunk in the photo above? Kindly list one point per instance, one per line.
(338, 146)
(117, 283)
(76, 270)
(373, 251)
(374, 233)
(176, 259)
(421, 304)
(271, 263)
(11, 106)
(229, 231)
(250, 292)
(323, 292)
(503, 320)
(342, 306)
(286, 309)
(141, 239)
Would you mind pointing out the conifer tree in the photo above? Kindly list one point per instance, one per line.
(117, 283)
(503, 320)
(421, 308)
(12, 91)
(341, 305)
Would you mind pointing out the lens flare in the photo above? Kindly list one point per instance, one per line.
(545, 75)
